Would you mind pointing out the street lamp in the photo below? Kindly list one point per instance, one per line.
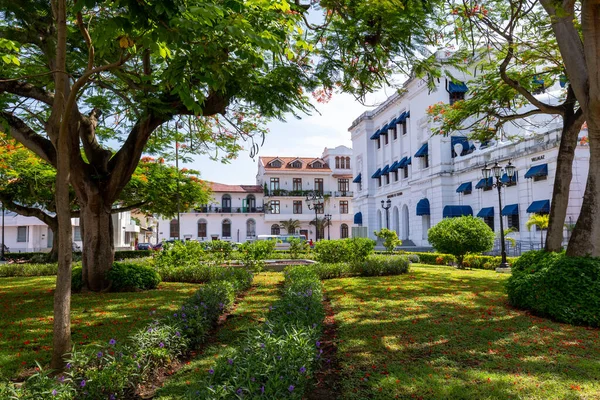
(314, 201)
(328, 221)
(386, 206)
(496, 172)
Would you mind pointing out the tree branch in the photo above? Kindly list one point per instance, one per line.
(41, 146)
(28, 90)
(52, 222)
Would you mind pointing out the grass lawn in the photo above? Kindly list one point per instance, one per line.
(441, 333)
(26, 323)
(249, 312)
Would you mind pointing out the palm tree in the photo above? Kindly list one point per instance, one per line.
(541, 222)
(320, 224)
(290, 226)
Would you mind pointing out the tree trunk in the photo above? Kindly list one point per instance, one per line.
(585, 239)
(98, 247)
(562, 182)
(53, 255)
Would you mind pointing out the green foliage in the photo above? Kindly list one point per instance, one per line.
(29, 269)
(290, 225)
(343, 250)
(254, 253)
(485, 262)
(77, 278)
(461, 235)
(121, 255)
(413, 258)
(332, 271)
(389, 238)
(297, 247)
(220, 250)
(553, 285)
(131, 276)
(179, 255)
(540, 221)
(435, 258)
(378, 265)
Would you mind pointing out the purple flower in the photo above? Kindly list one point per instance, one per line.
(99, 354)
(239, 391)
(112, 342)
(318, 344)
(161, 345)
(262, 345)
(262, 389)
(61, 378)
(82, 384)
(253, 379)
(291, 388)
(177, 334)
(211, 371)
(54, 392)
(112, 397)
(302, 370)
(230, 361)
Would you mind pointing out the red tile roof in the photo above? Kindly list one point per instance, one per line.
(287, 160)
(221, 187)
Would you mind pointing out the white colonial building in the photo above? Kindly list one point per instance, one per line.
(426, 178)
(242, 212)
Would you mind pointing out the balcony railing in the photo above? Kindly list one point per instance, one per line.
(293, 193)
(229, 210)
(347, 193)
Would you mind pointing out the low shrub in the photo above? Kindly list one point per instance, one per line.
(132, 276)
(8, 270)
(219, 250)
(485, 262)
(179, 254)
(332, 271)
(297, 247)
(553, 285)
(389, 238)
(413, 258)
(359, 249)
(254, 253)
(25, 256)
(435, 258)
(343, 250)
(121, 255)
(381, 265)
(77, 278)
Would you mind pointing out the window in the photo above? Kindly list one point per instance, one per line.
(275, 229)
(405, 170)
(251, 202)
(22, 233)
(395, 131)
(202, 228)
(317, 164)
(226, 203)
(466, 192)
(337, 162)
(359, 186)
(387, 179)
(487, 188)
(379, 182)
(396, 176)
(250, 228)
(539, 178)
(404, 128)
(174, 228)
(127, 238)
(489, 221)
(342, 163)
(275, 164)
(456, 96)
(387, 140)
(226, 228)
(274, 184)
(344, 231)
(296, 164)
(343, 207)
(343, 185)
(297, 184)
(513, 222)
(319, 185)
(425, 161)
(379, 142)
(275, 207)
(77, 233)
(297, 207)
(347, 162)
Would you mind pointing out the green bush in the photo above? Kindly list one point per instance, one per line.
(297, 246)
(26, 256)
(332, 271)
(219, 250)
(413, 258)
(435, 258)
(343, 250)
(485, 262)
(8, 270)
(389, 238)
(359, 249)
(179, 254)
(553, 285)
(461, 235)
(378, 265)
(77, 278)
(121, 255)
(254, 253)
(132, 276)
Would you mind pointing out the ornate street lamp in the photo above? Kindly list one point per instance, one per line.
(496, 172)
(328, 221)
(386, 206)
(314, 200)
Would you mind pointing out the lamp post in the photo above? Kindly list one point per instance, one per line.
(386, 206)
(314, 201)
(328, 221)
(496, 172)
(2, 259)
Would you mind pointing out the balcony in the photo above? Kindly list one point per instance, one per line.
(347, 193)
(229, 210)
(292, 193)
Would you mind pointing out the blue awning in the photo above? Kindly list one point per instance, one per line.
(401, 118)
(457, 87)
(408, 114)
(385, 170)
(358, 178)
(511, 209)
(408, 161)
(539, 207)
(402, 163)
(394, 167)
(486, 212)
(358, 218)
(538, 170)
(456, 211)
(465, 187)
(485, 183)
(537, 80)
(423, 151)
(377, 174)
(423, 207)
(515, 178)
(376, 134)
(462, 140)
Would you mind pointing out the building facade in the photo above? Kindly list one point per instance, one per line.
(426, 177)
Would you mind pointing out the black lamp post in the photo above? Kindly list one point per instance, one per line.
(496, 172)
(328, 221)
(386, 206)
(314, 200)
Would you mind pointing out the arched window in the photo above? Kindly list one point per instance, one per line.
(202, 228)
(275, 230)
(344, 231)
(226, 228)
(251, 200)
(347, 162)
(174, 228)
(226, 203)
(250, 228)
(337, 162)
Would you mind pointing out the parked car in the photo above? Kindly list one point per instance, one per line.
(159, 246)
(143, 246)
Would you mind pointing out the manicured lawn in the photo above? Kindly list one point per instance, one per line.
(441, 333)
(26, 323)
(249, 312)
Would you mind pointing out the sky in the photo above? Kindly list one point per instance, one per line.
(306, 137)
